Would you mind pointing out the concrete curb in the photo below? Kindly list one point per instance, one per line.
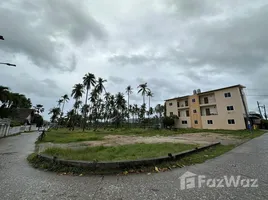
(122, 164)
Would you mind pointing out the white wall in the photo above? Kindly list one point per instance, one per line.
(8, 131)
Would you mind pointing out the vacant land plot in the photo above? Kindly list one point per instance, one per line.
(63, 138)
(123, 152)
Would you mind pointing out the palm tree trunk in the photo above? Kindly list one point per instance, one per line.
(62, 106)
(85, 113)
(128, 108)
(149, 108)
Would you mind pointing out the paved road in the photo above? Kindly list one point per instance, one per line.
(19, 181)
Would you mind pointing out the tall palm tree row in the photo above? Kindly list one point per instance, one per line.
(102, 107)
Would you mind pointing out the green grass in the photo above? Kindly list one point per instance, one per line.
(123, 152)
(65, 136)
(202, 156)
(195, 158)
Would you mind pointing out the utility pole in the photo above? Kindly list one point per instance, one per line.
(246, 110)
(259, 107)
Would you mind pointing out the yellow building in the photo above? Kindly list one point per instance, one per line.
(216, 109)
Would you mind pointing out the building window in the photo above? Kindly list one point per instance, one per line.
(206, 100)
(210, 122)
(231, 121)
(193, 100)
(228, 94)
(184, 122)
(179, 113)
(187, 113)
(195, 121)
(186, 103)
(207, 111)
(170, 104)
(230, 107)
(171, 113)
(194, 111)
(178, 104)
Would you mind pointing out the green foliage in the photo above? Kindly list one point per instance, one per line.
(123, 152)
(15, 123)
(66, 136)
(264, 123)
(202, 156)
(10, 99)
(38, 120)
(168, 122)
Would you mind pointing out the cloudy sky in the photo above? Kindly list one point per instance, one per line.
(173, 45)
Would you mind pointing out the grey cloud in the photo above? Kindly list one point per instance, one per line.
(42, 30)
(194, 8)
(116, 79)
(239, 43)
(32, 86)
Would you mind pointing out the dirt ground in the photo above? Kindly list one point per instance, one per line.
(113, 140)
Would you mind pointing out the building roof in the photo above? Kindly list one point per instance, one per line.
(206, 92)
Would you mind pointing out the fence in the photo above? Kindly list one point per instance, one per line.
(6, 130)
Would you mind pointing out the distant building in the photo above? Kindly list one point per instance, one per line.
(216, 109)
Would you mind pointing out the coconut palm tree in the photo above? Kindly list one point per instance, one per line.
(77, 91)
(60, 101)
(65, 99)
(100, 85)
(88, 81)
(77, 94)
(55, 113)
(149, 95)
(143, 89)
(128, 91)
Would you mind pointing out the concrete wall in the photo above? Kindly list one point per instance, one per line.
(6, 130)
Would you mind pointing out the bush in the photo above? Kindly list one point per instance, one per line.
(15, 123)
(264, 124)
(168, 122)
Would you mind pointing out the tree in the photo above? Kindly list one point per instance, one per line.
(100, 85)
(60, 101)
(65, 99)
(38, 120)
(128, 91)
(55, 113)
(77, 91)
(88, 81)
(4, 95)
(159, 109)
(168, 122)
(39, 108)
(77, 94)
(143, 89)
(149, 95)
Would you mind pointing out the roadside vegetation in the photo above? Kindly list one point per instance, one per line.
(122, 152)
(64, 135)
(196, 158)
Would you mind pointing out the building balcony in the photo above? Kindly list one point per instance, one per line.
(183, 107)
(213, 103)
